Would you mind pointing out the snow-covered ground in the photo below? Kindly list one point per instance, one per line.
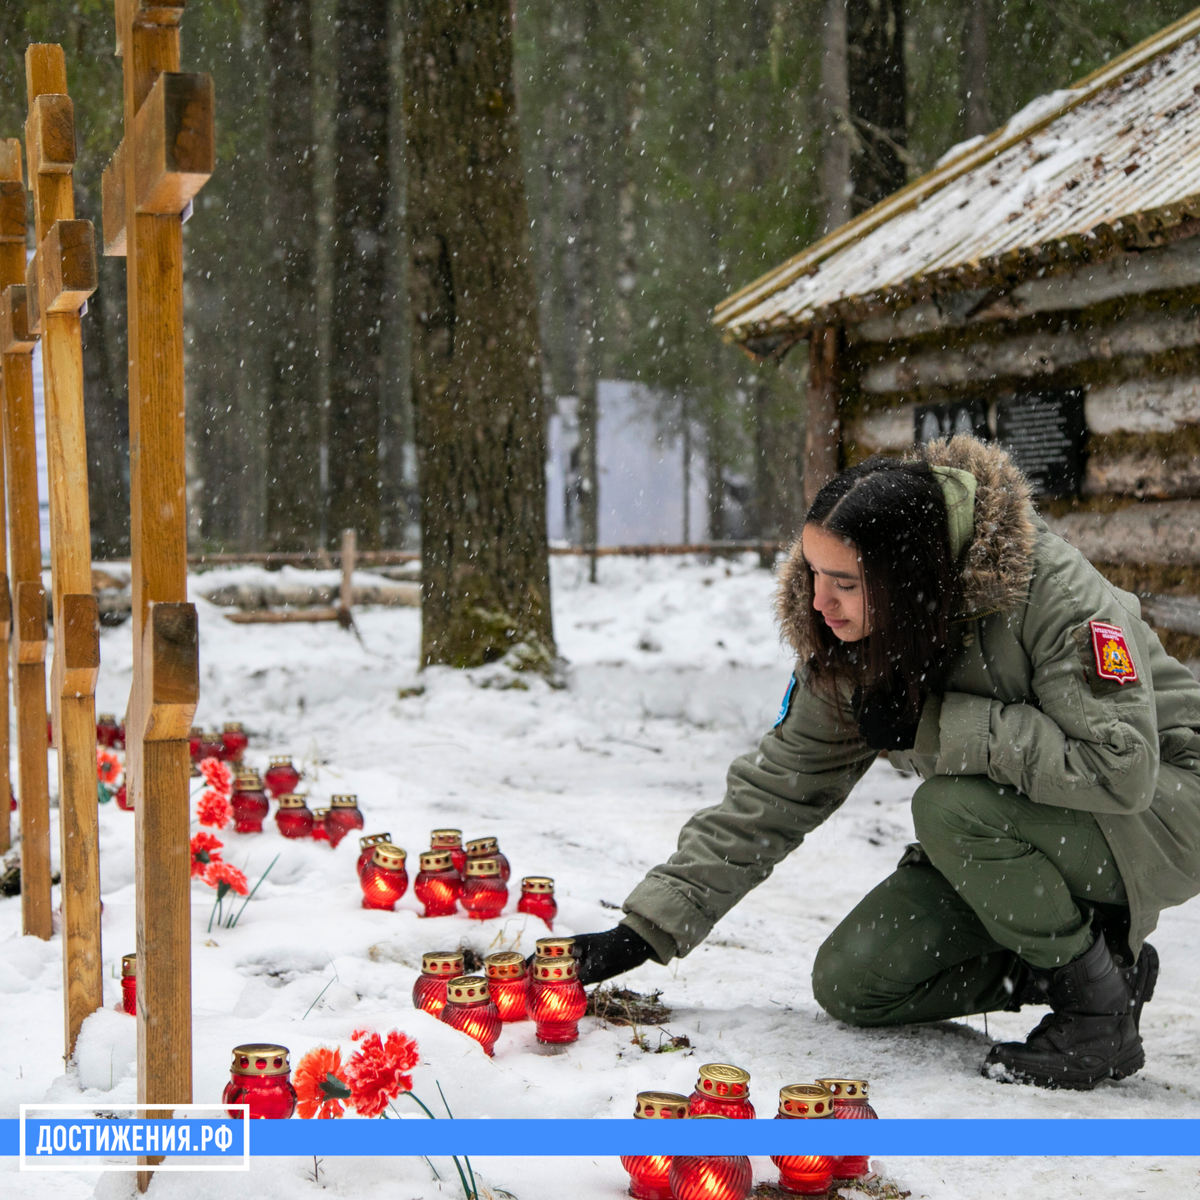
(675, 669)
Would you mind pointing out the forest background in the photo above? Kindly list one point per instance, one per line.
(671, 151)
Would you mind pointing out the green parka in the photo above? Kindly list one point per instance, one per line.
(1023, 704)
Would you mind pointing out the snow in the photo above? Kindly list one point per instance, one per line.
(675, 668)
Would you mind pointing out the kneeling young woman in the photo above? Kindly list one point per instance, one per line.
(936, 617)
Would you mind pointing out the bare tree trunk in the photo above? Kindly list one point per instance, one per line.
(878, 104)
(476, 376)
(975, 73)
(359, 269)
(293, 397)
(834, 108)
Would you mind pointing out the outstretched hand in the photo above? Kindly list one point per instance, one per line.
(600, 956)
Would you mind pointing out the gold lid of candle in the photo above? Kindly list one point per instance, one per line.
(292, 800)
(281, 760)
(195, 731)
(805, 1100)
(442, 962)
(320, 814)
(655, 1105)
(554, 947)
(538, 885)
(505, 964)
(343, 801)
(373, 839)
(482, 847)
(467, 989)
(234, 727)
(106, 719)
(128, 964)
(554, 970)
(483, 868)
(723, 1080)
(436, 860)
(846, 1089)
(260, 1060)
(446, 839)
(389, 857)
(247, 781)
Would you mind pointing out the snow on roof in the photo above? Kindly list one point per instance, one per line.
(1073, 176)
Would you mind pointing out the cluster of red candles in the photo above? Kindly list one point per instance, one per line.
(475, 877)
(724, 1091)
(479, 1005)
(252, 795)
(227, 745)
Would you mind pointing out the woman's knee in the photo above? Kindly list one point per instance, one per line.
(837, 982)
(948, 806)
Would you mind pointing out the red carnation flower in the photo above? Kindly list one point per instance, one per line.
(206, 849)
(108, 766)
(216, 773)
(225, 878)
(319, 1083)
(377, 1072)
(214, 810)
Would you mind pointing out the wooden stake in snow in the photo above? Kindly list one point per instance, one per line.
(163, 160)
(59, 278)
(24, 554)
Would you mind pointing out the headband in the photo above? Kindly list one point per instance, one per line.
(958, 490)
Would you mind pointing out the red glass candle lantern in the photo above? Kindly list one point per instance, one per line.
(470, 1010)
(804, 1174)
(484, 894)
(234, 741)
(249, 801)
(320, 833)
(343, 817)
(384, 879)
(650, 1174)
(195, 736)
(537, 898)
(281, 777)
(450, 839)
(129, 984)
(210, 746)
(850, 1103)
(438, 885)
(261, 1077)
(506, 984)
(367, 845)
(488, 847)
(711, 1178)
(293, 817)
(722, 1091)
(556, 998)
(438, 967)
(121, 796)
(108, 731)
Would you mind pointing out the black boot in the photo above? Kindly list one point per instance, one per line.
(1090, 1035)
(1142, 977)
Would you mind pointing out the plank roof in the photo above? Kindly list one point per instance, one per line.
(1109, 163)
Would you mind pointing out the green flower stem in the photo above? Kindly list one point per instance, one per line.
(233, 920)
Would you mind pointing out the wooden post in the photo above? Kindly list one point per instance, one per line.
(346, 596)
(64, 271)
(28, 646)
(12, 270)
(163, 161)
(823, 431)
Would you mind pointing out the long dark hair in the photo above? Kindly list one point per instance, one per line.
(895, 514)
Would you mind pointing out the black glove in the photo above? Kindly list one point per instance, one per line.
(600, 956)
(885, 720)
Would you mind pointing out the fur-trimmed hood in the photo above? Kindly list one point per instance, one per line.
(996, 565)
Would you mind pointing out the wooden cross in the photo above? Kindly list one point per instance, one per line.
(163, 160)
(58, 281)
(28, 642)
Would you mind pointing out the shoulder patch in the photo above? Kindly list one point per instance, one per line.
(1111, 652)
(786, 706)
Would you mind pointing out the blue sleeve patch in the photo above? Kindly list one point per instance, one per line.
(786, 706)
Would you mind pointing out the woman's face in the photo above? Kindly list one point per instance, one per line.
(838, 591)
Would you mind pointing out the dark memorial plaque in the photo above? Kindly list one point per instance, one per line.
(1044, 432)
(933, 421)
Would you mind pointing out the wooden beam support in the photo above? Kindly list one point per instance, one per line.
(112, 201)
(822, 433)
(171, 662)
(64, 269)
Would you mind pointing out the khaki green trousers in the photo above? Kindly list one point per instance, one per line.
(996, 878)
